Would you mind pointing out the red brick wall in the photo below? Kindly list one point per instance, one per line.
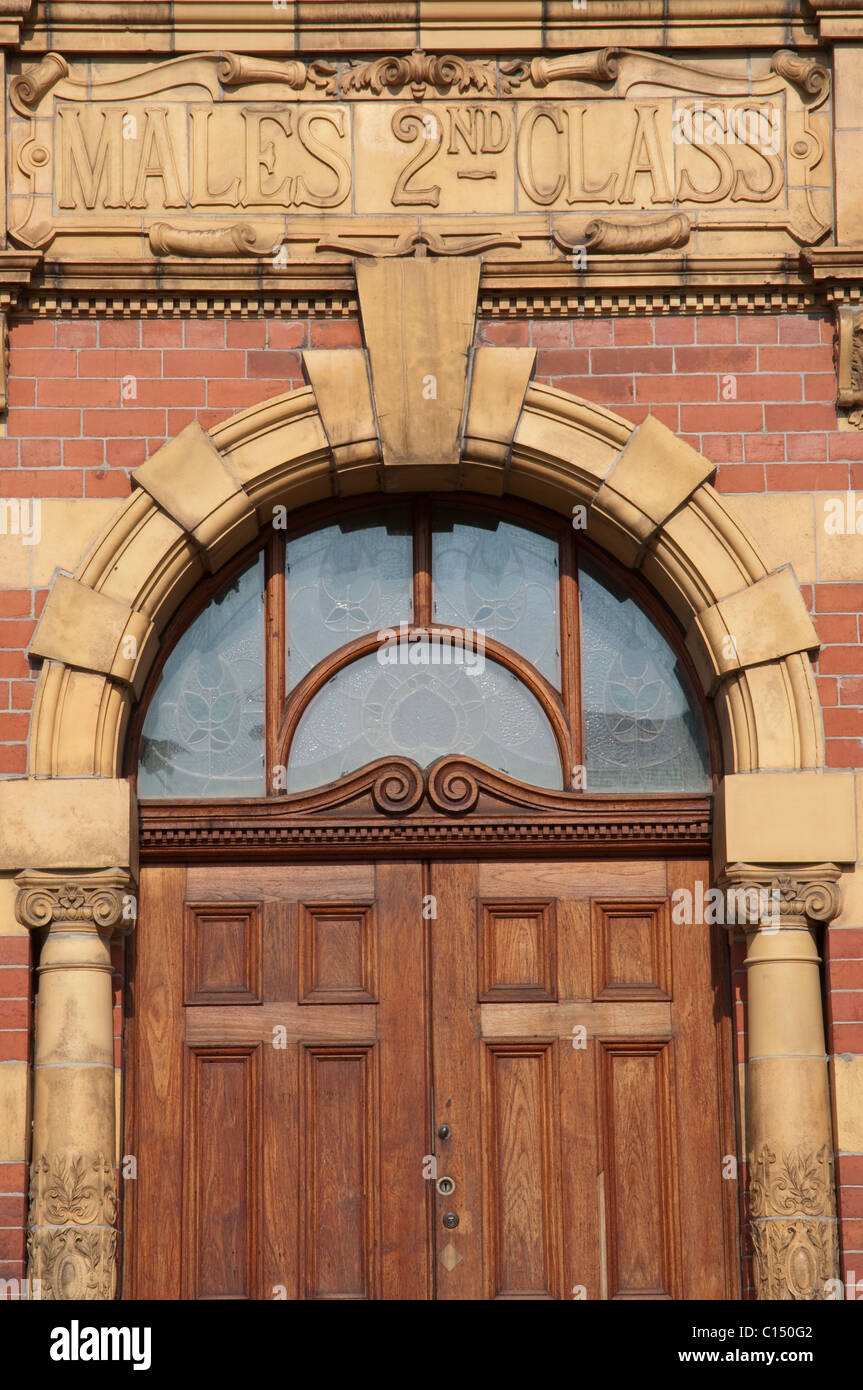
(71, 433)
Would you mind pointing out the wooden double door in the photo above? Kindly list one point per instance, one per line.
(397, 1080)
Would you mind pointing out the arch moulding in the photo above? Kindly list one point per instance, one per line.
(418, 407)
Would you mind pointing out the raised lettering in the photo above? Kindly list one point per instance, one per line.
(327, 156)
(201, 194)
(645, 157)
(106, 166)
(157, 162)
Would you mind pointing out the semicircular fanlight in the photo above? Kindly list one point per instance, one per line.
(369, 710)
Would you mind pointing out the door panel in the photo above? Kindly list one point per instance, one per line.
(578, 1052)
(300, 1034)
(282, 1069)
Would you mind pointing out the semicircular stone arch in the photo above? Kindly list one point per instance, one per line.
(642, 494)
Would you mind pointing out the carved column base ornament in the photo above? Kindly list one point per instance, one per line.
(795, 1255)
(789, 1133)
(72, 1223)
(72, 1236)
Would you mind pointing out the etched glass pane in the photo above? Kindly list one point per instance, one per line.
(498, 578)
(204, 730)
(422, 711)
(344, 580)
(643, 731)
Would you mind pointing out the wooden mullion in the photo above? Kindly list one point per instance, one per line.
(275, 623)
(422, 563)
(570, 649)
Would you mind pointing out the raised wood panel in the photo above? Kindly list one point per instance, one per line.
(222, 953)
(341, 1134)
(639, 1166)
(522, 1178)
(221, 1172)
(517, 951)
(631, 949)
(337, 954)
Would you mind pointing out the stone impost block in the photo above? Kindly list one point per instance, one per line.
(68, 823)
(776, 818)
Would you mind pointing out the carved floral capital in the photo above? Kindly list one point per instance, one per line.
(807, 893)
(102, 899)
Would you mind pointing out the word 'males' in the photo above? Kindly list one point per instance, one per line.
(371, 157)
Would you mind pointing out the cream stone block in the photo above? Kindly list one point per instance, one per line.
(654, 475)
(15, 562)
(769, 619)
(14, 1112)
(9, 924)
(789, 1105)
(846, 1087)
(418, 322)
(192, 482)
(783, 525)
(498, 382)
(83, 628)
(340, 381)
(70, 527)
(848, 153)
(847, 88)
(785, 818)
(840, 546)
(68, 823)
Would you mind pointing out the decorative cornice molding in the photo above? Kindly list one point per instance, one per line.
(456, 805)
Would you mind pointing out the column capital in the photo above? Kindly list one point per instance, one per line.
(99, 899)
(781, 895)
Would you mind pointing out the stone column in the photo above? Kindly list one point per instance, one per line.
(789, 1133)
(72, 1233)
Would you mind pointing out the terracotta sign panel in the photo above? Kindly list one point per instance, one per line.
(224, 155)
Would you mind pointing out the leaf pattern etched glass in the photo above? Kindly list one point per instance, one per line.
(643, 731)
(499, 578)
(368, 710)
(204, 730)
(343, 580)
